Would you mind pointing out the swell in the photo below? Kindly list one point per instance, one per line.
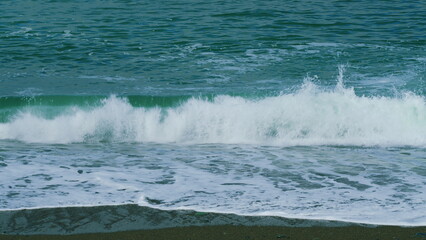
(54, 105)
(309, 116)
(85, 101)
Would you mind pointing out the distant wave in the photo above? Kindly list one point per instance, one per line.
(309, 116)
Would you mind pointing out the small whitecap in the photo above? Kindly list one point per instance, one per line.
(67, 33)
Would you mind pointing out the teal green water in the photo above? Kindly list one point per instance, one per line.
(193, 47)
(306, 109)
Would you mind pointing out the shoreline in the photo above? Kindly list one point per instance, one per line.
(132, 221)
(130, 217)
(229, 232)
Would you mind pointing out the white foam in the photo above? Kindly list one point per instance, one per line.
(109, 78)
(22, 30)
(67, 33)
(368, 185)
(310, 116)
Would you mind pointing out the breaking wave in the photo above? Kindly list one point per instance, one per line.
(309, 116)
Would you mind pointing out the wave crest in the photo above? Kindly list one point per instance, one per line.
(309, 116)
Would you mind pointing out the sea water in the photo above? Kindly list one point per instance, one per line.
(311, 109)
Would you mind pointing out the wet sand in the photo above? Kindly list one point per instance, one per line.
(246, 233)
(125, 222)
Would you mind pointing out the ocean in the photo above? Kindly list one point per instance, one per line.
(297, 109)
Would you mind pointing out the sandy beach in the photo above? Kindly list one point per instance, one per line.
(136, 222)
(245, 233)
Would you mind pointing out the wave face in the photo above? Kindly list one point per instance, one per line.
(309, 116)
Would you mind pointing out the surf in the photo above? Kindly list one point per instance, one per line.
(311, 115)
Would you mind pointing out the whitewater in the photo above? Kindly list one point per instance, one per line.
(310, 116)
(250, 156)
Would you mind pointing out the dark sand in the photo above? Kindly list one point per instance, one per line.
(246, 233)
(123, 222)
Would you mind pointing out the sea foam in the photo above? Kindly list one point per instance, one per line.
(308, 116)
